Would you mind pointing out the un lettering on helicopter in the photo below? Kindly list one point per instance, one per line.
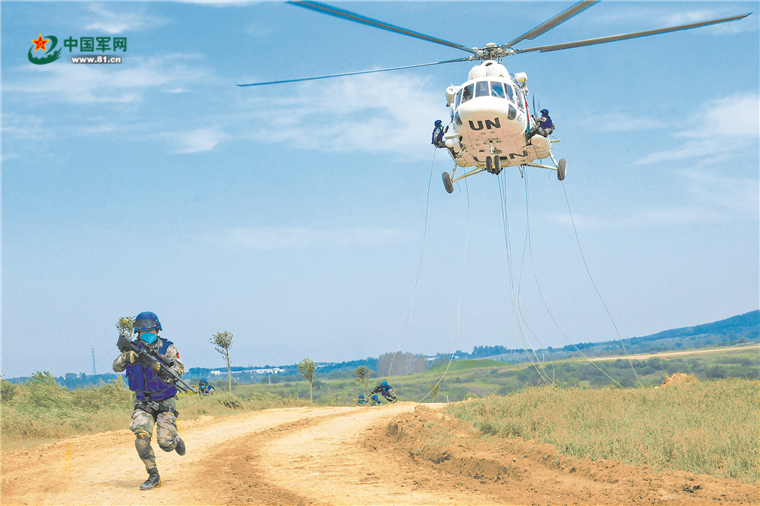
(491, 124)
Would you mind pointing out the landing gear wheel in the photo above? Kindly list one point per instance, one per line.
(489, 164)
(447, 182)
(561, 169)
(496, 165)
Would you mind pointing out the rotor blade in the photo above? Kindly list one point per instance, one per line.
(613, 38)
(340, 13)
(354, 73)
(556, 20)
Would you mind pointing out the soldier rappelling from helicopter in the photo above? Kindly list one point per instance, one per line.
(544, 125)
(438, 132)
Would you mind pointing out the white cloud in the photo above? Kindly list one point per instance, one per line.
(272, 238)
(719, 129)
(89, 84)
(23, 126)
(734, 195)
(371, 113)
(697, 16)
(196, 141)
(620, 122)
(667, 14)
(714, 198)
(113, 20)
(642, 218)
(222, 3)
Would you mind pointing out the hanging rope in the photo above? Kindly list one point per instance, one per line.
(422, 257)
(515, 310)
(595, 288)
(541, 293)
(459, 302)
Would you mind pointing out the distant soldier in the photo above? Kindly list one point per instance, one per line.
(362, 400)
(205, 388)
(155, 396)
(386, 391)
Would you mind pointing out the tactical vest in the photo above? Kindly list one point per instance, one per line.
(142, 380)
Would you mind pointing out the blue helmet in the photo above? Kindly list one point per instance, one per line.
(361, 396)
(146, 321)
(438, 122)
(384, 383)
(544, 112)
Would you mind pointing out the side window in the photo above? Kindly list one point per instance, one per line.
(510, 93)
(519, 100)
(467, 93)
(458, 99)
(497, 89)
(481, 89)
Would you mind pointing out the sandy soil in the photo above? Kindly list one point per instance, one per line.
(351, 455)
(672, 353)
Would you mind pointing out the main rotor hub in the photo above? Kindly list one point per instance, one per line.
(492, 52)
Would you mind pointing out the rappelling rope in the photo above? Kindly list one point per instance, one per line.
(572, 220)
(507, 241)
(422, 257)
(459, 302)
(526, 246)
(538, 285)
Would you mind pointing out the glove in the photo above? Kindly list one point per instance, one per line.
(130, 356)
(156, 367)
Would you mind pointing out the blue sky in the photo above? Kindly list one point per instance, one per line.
(294, 216)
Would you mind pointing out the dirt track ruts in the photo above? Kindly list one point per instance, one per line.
(349, 455)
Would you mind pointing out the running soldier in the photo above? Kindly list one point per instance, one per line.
(155, 402)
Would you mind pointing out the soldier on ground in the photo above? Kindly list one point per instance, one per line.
(155, 402)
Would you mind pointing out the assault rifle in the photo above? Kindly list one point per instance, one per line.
(149, 358)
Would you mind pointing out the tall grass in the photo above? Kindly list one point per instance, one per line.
(41, 410)
(706, 428)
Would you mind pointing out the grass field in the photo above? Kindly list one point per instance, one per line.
(41, 410)
(712, 428)
(707, 427)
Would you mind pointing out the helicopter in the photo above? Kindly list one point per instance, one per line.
(491, 125)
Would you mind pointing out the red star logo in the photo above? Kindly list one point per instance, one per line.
(40, 44)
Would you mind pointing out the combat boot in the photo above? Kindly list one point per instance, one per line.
(180, 448)
(153, 481)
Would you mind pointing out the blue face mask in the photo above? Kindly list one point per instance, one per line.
(149, 337)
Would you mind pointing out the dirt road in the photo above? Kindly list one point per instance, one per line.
(398, 454)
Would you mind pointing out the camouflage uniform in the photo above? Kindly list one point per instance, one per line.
(143, 421)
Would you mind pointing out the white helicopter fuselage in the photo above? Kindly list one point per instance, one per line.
(490, 117)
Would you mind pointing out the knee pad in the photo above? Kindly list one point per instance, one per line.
(169, 445)
(142, 444)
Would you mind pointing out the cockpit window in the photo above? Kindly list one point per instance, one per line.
(467, 93)
(519, 100)
(510, 93)
(458, 99)
(481, 89)
(497, 89)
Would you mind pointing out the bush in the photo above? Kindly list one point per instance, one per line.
(7, 390)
